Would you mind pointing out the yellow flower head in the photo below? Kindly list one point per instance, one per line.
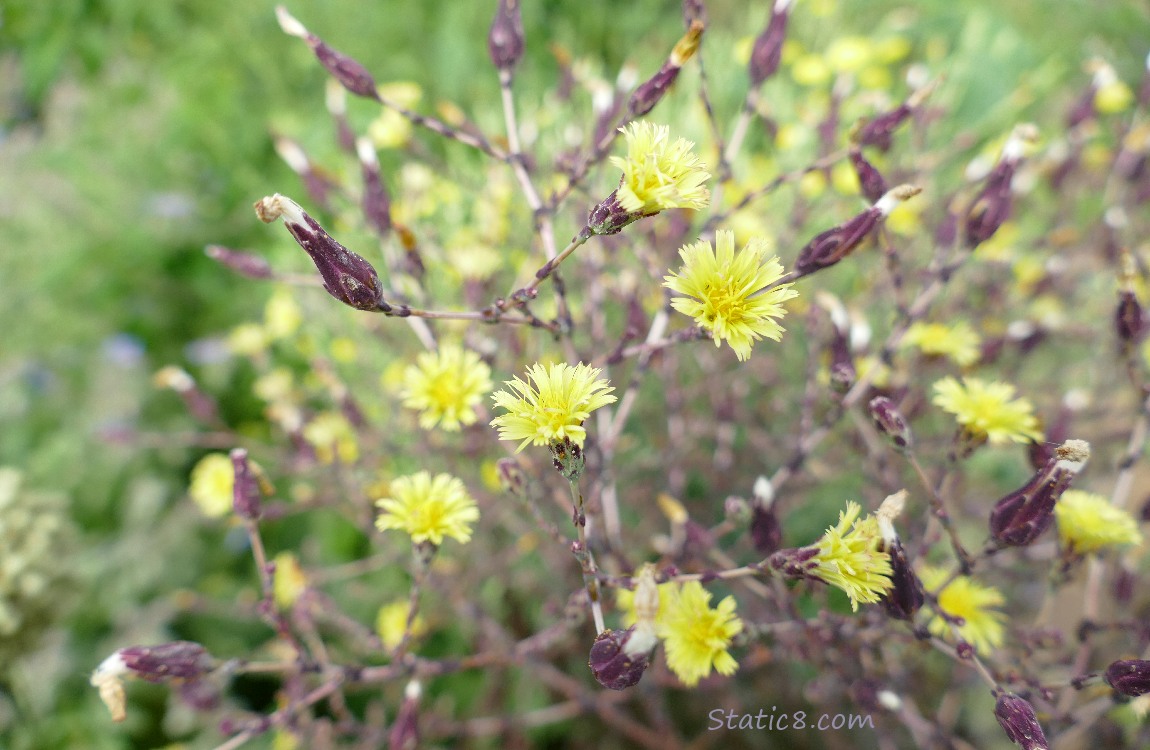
(445, 386)
(391, 621)
(959, 342)
(696, 636)
(969, 600)
(332, 436)
(658, 174)
(720, 289)
(552, 406)
(211, 484)
(988, 409)
(428, 509)
(282, 316)
(849, 557)
(289, 580)
(1088, 523)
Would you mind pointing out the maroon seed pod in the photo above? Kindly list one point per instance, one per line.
(1130, 677)
(768, 47)
(505, 41)
(1021, 516)
(992, 207)
(346, 276)
(1018, 720)
(245, 488)
(376, 200)
(178, 660)
(614, 668)
(878, 131)
(870, 179)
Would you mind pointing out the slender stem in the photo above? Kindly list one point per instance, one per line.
(586, 559)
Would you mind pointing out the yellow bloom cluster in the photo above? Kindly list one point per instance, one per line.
(211, 484)
(391, 620)
(332, 437)
(970, 601)
(658, 174)
(552, 405)
(1088, 522)
(959, 342)
(696, 636)
(989, 409)
(428, 509)
(849, 558)
(724, 291)
(445, 386)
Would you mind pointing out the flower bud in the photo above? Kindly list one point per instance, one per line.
(609, 217)
(200, 405)
(614, 668)
(870, 180)
(245, 488)
(1130, 677)
(768, 46)
(649, 93)
(1020, 517)
(346, 276)
(350, 73)
(906, 594)
(245, 264)
(376, 200)
(831, 246)
(505, 41)
(178, 660)
(404, 734)
(1129, 319)
(1019, 722)
(877, 132)
(766, 531)
(890, 421)
(993, 205)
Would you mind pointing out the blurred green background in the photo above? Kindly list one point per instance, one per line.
(133, 133)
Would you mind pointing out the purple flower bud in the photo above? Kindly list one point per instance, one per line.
(890, 421)
(768, 46)
(833, 245)
(245, 264)
(1019, 722)
(877, 132)
(1129, 319)
(351, 74)
(1130, 677)
(404, 734)
(906, 594)
(1021, 516)
(505, 41)
(178, 660)
(649, 93)
(609, 217)
(614, 668)
(766, 531)
(346, 276)
(993, 205)
(870, 180)
(842, 366)
(245, 488)
(376, 200)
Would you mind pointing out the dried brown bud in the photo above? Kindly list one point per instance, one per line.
(1019, 722)
(1020, 517)
(505, 41)
(346, 276)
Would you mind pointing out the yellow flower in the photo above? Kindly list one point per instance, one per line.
(332, 436)
(849, 53)
(445, 386)
(988, 409)
(721, 291)
(211, 484)
(391, 621)
(959, 341)
(696, 637)
(248, 339)
(969, 600)
(428, 509)
(282, 315)
(1087, 522)
(552, 406)
(289, 580)
(1114, 96)
(849, 557)
(657, 174)
(625, 601)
